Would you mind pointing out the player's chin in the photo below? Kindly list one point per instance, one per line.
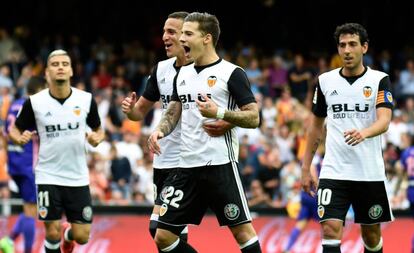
(60, 80)
(169, 53)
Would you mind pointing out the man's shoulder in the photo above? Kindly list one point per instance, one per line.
(229, 65)
(81, 93)
(330, 73)
(327, 77)
(166, 63)
(40, 95)
(376, 73)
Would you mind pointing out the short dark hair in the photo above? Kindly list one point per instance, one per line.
(208, 24)
(179, 15)
(351, 28)
(35, 84)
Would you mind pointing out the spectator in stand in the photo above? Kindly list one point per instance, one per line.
(396, 129)
(115, 116)
(285, 107)
(269, 113)
(99, 182)
(255, 76)
(277, 76)
(406, 81)
(103, 77)
(300, 78)
(257, 197)
(120, 174)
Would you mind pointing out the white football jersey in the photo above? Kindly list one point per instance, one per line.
(227, 85)
(62, 131)
(162, 88)
(350, 103)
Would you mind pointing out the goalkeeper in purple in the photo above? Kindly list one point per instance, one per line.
(21, 160)
(407, 160)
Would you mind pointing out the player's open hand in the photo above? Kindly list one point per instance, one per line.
(216, 128)
(353, 137)
(25, 137)
(207, 107)
(129, 102)
(153, 144)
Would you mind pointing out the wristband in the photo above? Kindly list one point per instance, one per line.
(220, 113)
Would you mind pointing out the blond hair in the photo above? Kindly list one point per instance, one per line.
(56, 53)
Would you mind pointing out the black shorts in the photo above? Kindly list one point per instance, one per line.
(75, 202)
(368, 199)
(188, 192)
(160, 175)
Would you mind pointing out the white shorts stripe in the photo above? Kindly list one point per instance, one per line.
(241, 191)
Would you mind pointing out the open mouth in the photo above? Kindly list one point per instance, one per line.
(187, 50)
(167, 46)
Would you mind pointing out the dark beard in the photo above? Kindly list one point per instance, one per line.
(60, 82)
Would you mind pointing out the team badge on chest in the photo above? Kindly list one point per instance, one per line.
(211, 81)
(367, 91)
(77, 110)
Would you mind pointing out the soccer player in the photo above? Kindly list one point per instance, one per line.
(407, 161)
(308, 205)
(160, 86)
(357, 104)
(210, 88)
(60, 115)
(21, 160)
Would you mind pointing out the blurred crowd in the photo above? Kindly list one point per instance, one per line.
(282, 81)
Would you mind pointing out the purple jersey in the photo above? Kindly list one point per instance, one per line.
(407, 160)
(20, 158)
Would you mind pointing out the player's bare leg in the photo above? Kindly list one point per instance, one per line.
(154, 221)
(167, 241)
(53, 236)
(332, 234)
(246, 237)
(371, 235)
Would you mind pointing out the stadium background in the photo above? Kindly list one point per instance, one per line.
(113, 47)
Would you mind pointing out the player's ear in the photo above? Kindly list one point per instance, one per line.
(47, 74)
(208, 38)
(365, 47)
